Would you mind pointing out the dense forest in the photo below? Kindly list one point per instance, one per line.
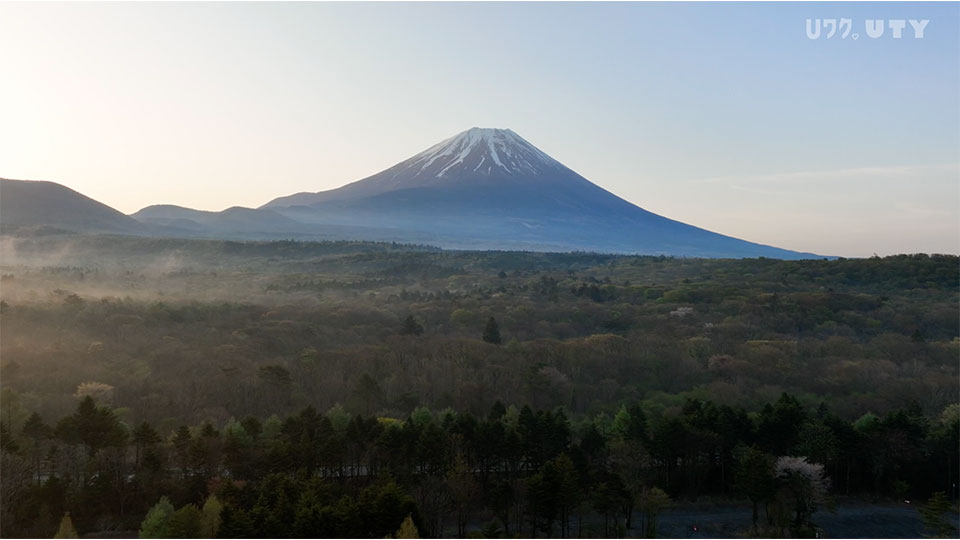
(183, 388)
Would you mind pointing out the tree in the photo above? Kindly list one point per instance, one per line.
(779, 424)
(652, 502)
(462, 490)
(554, 491)
(630, 460)
(818, 443)
(181, 447)
(156, 523)
(608, 498)
(383, 505)
(236, 523)
(369, 393)
(37, 432)
(210, 517)
(14, 485)
(934, 523)
(805, 485)
(185, 522)
(7, 442)
(497, 410)
(491, 334)
(411, 327)
(66, 529)
(630, 423)
(94, 427)
(34, 428)
(144, 436)
(407, 529)
(96, 390)
(754, 477)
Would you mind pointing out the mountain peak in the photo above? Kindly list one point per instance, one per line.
(480, 151)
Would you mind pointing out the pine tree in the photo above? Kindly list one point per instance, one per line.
(7, 442)
(491, 334)
(144, 436)
(411, 327)
(236, 523)
(66, 529)
(407, 529)
(934, 522)
(497, 411)
(35, 428)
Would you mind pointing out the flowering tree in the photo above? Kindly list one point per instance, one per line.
(99, 391)
(802, 484)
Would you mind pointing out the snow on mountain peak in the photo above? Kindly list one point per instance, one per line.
(483, 151)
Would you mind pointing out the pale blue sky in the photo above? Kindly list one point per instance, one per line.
(725, 116)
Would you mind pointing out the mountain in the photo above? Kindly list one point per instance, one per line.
(491, 189)
(234, 220)
(481, 189)
(482, 157)
(28, 203)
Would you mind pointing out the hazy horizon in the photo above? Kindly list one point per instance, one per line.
(723, 116)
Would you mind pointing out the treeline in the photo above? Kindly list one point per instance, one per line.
(512, 472)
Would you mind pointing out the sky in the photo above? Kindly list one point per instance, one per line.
(726, 116)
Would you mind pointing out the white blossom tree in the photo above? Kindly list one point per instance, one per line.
(802, 484)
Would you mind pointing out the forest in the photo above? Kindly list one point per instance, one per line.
(201, 388)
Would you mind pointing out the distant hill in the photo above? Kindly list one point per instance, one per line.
(232, 220)
(491, 189)
(28, 203)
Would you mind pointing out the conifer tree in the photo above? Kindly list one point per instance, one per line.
(66, 529)
(407, 529)
(934, 513)
(411, 327)
(491, 334)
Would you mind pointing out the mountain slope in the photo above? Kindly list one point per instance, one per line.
(29, 203)
(490, 188)
(487, 157)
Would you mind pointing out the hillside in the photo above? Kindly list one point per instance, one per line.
(27, 203)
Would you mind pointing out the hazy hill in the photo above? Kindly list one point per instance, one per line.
(29, 203)
(232, 220)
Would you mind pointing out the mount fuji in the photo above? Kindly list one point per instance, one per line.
(491, 189)
(486, 189)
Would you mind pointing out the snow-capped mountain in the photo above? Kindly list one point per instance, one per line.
(481, 156)
(480, 151)
(481, 189)
(491, 189)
